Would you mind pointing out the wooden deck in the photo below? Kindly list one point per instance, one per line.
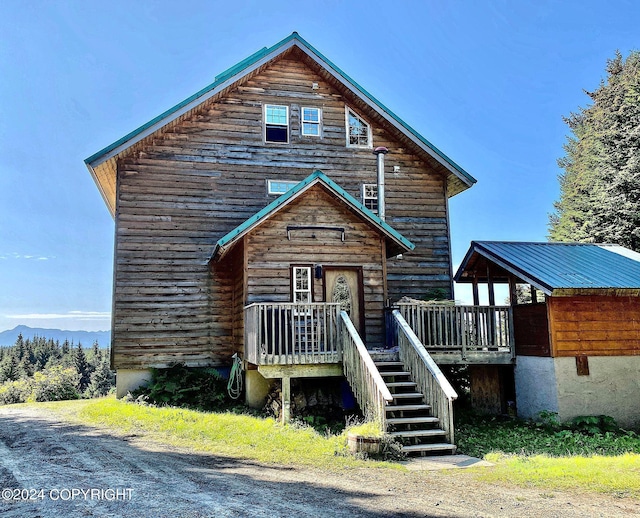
(309, 334)
(474, 335)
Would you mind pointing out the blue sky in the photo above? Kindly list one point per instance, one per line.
(487, 82)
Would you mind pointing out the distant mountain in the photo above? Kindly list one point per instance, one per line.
(86, 338)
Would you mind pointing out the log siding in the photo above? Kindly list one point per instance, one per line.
(193, 183)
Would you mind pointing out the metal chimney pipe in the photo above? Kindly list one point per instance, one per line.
(380, 152)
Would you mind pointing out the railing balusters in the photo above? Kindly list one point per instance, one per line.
(461, 329)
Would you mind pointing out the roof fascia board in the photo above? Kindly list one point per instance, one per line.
(387, 114)
(476, 247)
(185, 106)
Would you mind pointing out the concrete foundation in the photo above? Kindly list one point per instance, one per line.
(536, 389)
(611, 388)
(256, 389)
(129, 379)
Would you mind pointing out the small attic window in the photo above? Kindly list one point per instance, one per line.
(358, 131)
(370, 196)
(276, 127)
(311, 121)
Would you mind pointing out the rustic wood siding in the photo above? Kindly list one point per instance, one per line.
(531, 330)
(271, 254)
(595, 325)
(204, 176)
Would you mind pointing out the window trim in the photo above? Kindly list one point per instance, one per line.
(369, 144)
(266, 123)
(365, 197)
(272, 192)
(303, 122)
(293, 278)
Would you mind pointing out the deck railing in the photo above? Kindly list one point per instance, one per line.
(461, 329)
(292, 333)
(367, 384)
(425, 373)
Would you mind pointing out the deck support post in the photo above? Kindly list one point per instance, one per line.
(286, 399)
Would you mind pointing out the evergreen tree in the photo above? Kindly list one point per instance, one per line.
(102, 380)
(19, 347)
(82, 367)
(11, 369)
(65, 347)
(600, 187)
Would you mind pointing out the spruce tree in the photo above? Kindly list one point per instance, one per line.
(82, 367)
(600, 187)
(102, 380)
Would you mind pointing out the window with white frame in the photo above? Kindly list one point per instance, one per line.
(311, 118)
(358, 131)
(301, 284)
(370, 196)
(276, 123)
(278, 187)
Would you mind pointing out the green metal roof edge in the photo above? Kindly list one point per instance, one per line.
(365, 93)
(219, 79)
(284, 198)
(247, 62)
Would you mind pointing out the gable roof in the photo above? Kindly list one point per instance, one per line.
(556, 267)
(396, 242)
(102, 164)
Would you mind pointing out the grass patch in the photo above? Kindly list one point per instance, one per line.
(227, 434)
(617, 475)
(580, 456)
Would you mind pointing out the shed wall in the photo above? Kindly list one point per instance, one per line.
(595, 325)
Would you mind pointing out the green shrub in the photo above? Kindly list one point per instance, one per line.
(480, 435)
(14, 391)
(196, 388)
(54, 384)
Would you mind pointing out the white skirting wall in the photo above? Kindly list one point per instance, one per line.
(612, 388)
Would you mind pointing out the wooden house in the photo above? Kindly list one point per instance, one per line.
(275, 213)
(577, 345)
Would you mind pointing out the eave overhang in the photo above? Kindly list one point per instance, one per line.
(102, 164)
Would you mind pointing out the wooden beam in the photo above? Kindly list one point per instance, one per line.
(492, 293)
(513, 292)
(534, 294)
(286, 400)
(476, 296)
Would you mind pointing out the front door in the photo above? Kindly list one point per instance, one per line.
(343, 284)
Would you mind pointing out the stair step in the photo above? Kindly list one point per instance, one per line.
(398, 384)
(412, 420)
(426, 448)
(389, 364)
(394, 373)
(419, 433)
(405, 395)
(401, 408)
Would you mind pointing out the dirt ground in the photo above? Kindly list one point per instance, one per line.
(49, 468)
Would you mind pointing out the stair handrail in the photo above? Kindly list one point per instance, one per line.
(370, 390)
(426, 374)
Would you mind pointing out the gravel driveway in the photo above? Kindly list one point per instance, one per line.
(50, 468)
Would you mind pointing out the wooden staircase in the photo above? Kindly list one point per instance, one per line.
(409, 417)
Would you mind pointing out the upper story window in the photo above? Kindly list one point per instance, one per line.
(358, 131)
(301, 285)
(370, 196)
(276, 123)
(311, 118)
(278, 187)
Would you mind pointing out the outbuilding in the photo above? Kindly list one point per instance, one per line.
(577, 346)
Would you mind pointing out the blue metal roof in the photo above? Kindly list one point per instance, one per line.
(558, 266)
(317, 177)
